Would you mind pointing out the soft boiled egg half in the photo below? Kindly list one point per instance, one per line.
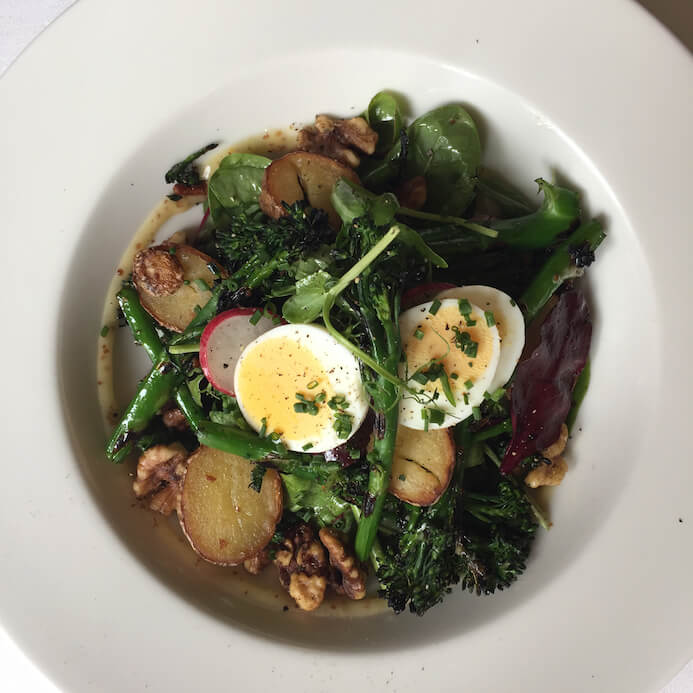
(299, 382)
(463, 344)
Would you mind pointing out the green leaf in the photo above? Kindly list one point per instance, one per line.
(411, 238)
(349, 200)
(445, 148)
(235, 185)
(306, 304)
(385, 117)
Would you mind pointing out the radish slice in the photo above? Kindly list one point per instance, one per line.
(423, 293)
(224, 339)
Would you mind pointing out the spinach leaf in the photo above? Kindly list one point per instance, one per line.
(235, 185)
(385, 117)
(445, 148)
(184, 172)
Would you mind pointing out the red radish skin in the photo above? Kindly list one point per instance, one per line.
(423, 293)
(224, 339)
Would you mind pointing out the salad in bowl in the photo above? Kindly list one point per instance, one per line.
(364, 360)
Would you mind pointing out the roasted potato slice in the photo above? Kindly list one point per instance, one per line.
(299, 175)
(422, 465)
(225, 521)
(172, 303)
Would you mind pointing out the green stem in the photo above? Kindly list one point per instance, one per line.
(443, 219)
(342, 284)
(493, 431)
(579, 392)
(187, 348)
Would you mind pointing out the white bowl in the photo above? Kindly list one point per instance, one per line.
(95, 589)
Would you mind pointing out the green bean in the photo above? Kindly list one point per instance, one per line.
(559, 267)
(153, 392)
(221, 437)
(140, 322)
(558, 212)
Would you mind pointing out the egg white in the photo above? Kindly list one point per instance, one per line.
(437, 342)
(273, 395)
(509, 320)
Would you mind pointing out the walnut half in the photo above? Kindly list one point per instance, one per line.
(338, 138)
(160, 470)
(303, 567)
(351, 578)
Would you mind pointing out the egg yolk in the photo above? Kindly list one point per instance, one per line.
(269, 377)
(439, 342)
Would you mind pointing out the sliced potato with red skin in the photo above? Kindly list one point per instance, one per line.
(225, 521)
(175, 311)
(299, 175)
(422, 465)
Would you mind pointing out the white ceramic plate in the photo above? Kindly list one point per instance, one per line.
(95, 111)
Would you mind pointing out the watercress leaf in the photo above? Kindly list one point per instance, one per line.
(445, 148)
(235, 185)
(349, 200)
(306, 304)
(411, 238)
(385, 117)
(383, 209)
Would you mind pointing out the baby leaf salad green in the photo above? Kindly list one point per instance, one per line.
(472, 228)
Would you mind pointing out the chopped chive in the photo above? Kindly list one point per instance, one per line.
(425, 415)
(464, 306)
(418, 334)
(469, 322)
(186, 282)
(512, 303)
(465, 397)
(312, 384)
(300, 407)
(490, 318)
(274, 436)
(469, 384)
(435, 307)
(437, 416)
(172, 250)
(498, 394)
(201, 284)
(343, 424)
(263, 428)
(104, 331)
(307, 446)
(476, 413)
(420, 378)
(402, 477)
(454, 376)
(255, 317)
(320, 398)
(338, 402)
(472, 349)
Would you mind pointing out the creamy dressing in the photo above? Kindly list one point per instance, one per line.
(261, 590)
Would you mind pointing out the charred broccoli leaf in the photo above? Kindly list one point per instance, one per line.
(184, 171)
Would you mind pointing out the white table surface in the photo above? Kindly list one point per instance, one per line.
(23, 20)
